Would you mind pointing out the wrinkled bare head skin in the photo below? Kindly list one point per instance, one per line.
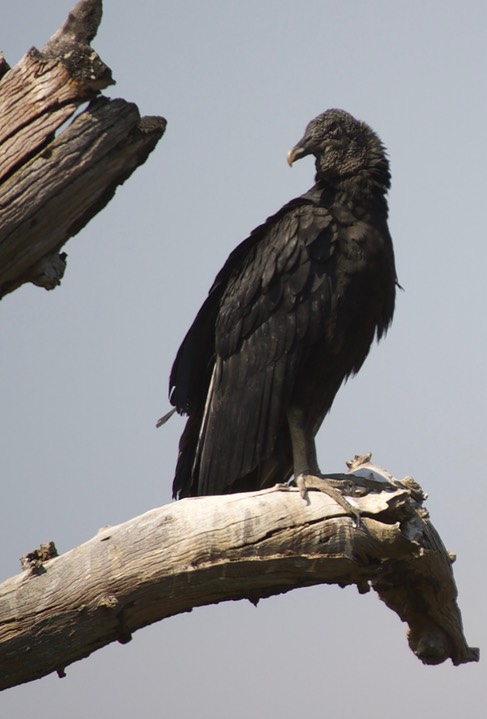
(343, 147)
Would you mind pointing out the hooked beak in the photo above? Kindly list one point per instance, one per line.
(304, 148)
(295, 154)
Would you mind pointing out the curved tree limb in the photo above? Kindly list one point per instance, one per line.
(197, 551)
(51, 186)
(207, 550)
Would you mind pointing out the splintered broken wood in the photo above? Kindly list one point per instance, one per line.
(51, 186)
(243, 546)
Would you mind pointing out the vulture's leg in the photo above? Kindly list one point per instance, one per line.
(307, 474)
(303, 445)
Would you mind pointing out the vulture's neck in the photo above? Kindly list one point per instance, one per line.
(361, 192)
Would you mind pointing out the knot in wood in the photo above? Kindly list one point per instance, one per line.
(108, 601)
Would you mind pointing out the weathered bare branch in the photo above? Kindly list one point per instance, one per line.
(198, 551)
(50, 187)
(207, 550)
(54, 195)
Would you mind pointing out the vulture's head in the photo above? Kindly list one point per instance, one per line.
(342, 146)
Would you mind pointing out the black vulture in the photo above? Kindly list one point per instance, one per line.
(289, 317)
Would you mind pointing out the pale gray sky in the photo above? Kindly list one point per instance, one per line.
(84, 368)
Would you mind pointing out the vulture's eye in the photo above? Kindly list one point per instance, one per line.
(334, 129)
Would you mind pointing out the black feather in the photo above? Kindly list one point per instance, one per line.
(290, 316)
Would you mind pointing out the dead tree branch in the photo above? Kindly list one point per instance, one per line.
(244, 546)
(51, 186)
(197, 551)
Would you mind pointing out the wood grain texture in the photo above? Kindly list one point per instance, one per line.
(246, 546)
(51, 186)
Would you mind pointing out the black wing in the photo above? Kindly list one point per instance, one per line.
(238, 364)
